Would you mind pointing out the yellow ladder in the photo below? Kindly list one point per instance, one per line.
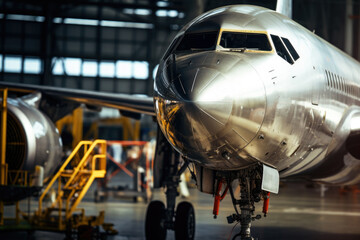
(74, 178)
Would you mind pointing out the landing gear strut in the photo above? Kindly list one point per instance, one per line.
(250, 193)
(159, 218)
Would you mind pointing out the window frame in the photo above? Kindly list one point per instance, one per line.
(219, 47)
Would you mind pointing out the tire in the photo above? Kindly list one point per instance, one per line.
(153, 223)
(185, 222)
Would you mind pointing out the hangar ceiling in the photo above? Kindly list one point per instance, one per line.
(115, 45)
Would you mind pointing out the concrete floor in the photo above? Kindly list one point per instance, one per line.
(296, 213)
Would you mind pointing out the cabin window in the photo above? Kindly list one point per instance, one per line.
(281, 50)
(334, 80)
(327, 78)
(198, 41)
(291, 49)
(341, 84)
(346, 86)
(246, 41)
(337, 87)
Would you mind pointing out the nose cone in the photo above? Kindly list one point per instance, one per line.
(209, 104)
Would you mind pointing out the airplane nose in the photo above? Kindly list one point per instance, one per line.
(206, 104)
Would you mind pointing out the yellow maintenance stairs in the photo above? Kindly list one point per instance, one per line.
(86, 163)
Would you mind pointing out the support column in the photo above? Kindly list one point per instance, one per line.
(46, 41)
(349, 28)
(98, 46)
(151, 49)
(356, 19)
(2, 41)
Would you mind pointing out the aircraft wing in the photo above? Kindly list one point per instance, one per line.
(55, 96)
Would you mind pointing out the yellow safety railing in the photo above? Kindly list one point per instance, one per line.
(92, 165)
(3, 165)
(3, 136)
(18, 177)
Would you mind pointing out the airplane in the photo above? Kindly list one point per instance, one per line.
(246, 95)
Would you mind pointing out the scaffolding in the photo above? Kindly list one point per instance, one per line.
(86, 163)
(141, 173)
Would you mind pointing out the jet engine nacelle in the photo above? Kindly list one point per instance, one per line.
(31, 138)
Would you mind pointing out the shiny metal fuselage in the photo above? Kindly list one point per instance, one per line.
(227, 110)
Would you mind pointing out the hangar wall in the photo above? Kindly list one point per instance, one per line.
(98, 45)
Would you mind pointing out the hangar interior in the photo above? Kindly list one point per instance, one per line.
(115, 46)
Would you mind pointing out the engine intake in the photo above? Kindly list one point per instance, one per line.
(31, 137)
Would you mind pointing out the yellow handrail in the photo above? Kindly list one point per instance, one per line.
(85, 158)
(20, 178)
(82, 163)
(3, 177)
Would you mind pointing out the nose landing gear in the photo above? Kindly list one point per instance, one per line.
(250, 193)
(159, 218)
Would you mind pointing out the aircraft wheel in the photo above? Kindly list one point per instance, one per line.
(185, 222)
(155, 215)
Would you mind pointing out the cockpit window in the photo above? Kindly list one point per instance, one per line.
(291, 49)
(198, 41)
(171, 48)
(281, 49)
(244, 40)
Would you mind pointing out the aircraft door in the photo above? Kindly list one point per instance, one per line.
(311, 61)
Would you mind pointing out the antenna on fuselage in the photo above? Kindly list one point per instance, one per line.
(285, 7)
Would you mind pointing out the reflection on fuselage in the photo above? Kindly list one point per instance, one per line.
(217, 104)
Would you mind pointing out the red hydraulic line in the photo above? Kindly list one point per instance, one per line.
(219, 197)
(266, 204)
